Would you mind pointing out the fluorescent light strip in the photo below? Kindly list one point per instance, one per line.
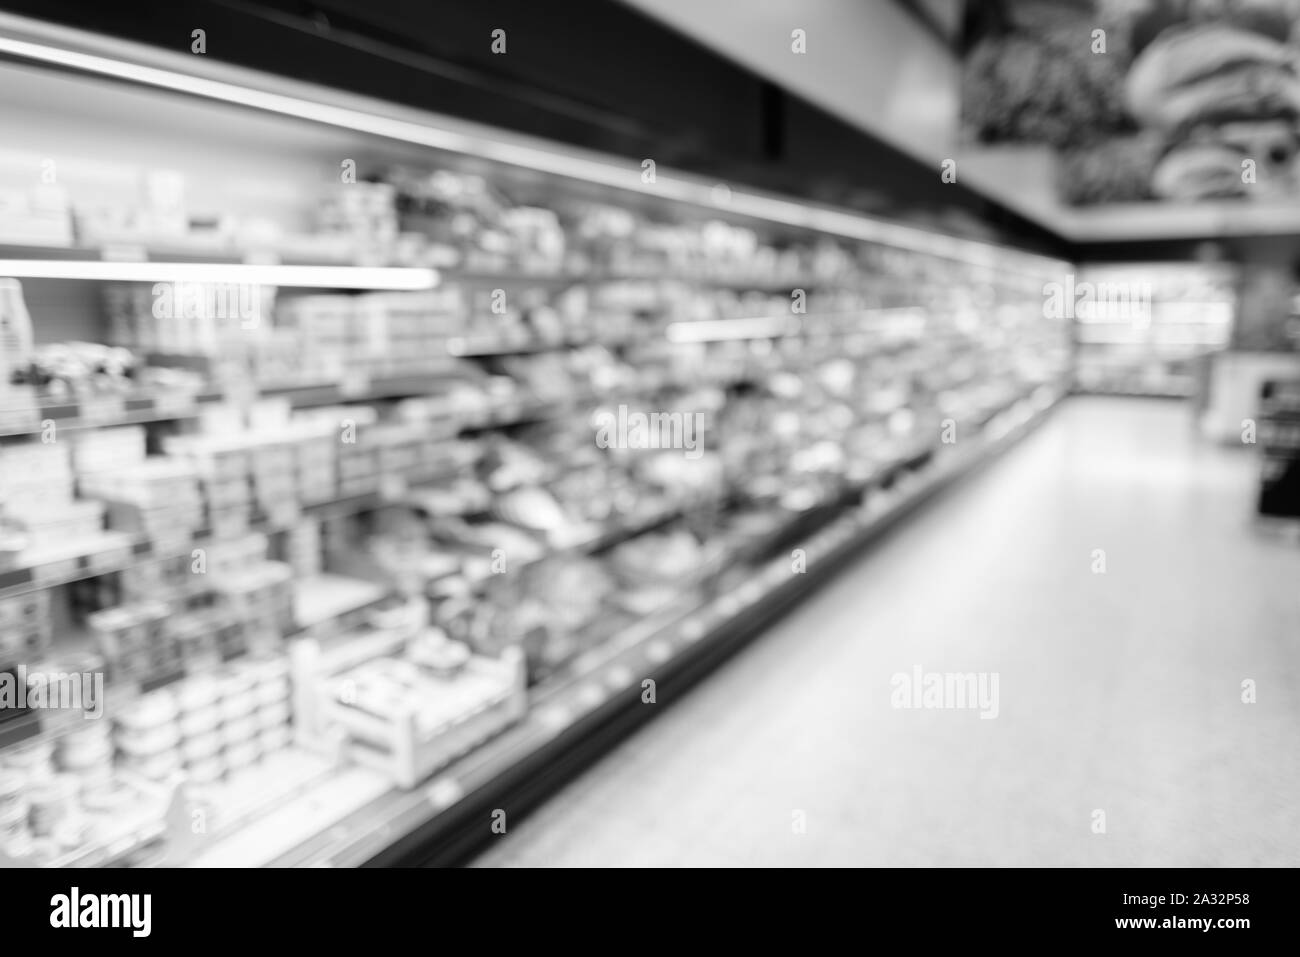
(315, 277)
(716, 330)
(848, 225)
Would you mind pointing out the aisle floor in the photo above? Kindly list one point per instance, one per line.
(1118, 692)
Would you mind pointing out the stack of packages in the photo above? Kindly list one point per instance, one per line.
(53, 816)
(315, 448)
(222, 601)
(321, 328)
(88, 754)
(257, 593)
(166, 578)
(366, 213)
(222, 467)
(105, 450)
(213, 627)
(39, 216)
(147, 736)
(538, 238)
(273, 468)
(304, 550)
(153, 498)
(372, 336)
(220, 328)
(54, 799)
(135, 641)
(354, 433)
(208, 725)
(157, 499)
(262, 475)
(26, 630)
(36, 488)
(399, 451)
(405, 333)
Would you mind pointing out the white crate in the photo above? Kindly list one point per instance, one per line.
(403, 743)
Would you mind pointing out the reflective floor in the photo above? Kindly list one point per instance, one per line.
(1121, 735)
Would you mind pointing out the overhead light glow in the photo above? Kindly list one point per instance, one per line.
(314, 277)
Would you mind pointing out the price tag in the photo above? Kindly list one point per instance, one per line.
(693, 630)
(590, 695)
(175, 404)
(728, 605)
(100, 409)
(110, 560)
(55, 572)
(18, 421)
(444, 792)
(555, 717)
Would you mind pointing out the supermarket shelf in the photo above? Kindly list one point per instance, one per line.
(110, 410)
(320, 598)
(107, 412)
(571, 723)
(46, 566)
(196, 248)
(103, 411)
(114, 551)
(130, 832)
(354, 389)
(201, 250)
(756, 282)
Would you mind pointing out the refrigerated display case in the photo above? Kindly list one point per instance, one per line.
(381, 464)
(1150, 328)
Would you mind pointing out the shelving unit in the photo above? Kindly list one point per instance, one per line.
(579, 715)
(825, 424)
